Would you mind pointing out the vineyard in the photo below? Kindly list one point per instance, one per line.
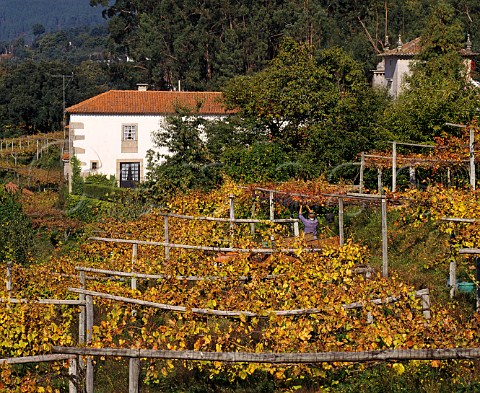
(239, 299)
(33, 161)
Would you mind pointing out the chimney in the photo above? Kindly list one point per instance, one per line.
(142, 86)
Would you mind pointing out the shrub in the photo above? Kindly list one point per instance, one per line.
(264, 161)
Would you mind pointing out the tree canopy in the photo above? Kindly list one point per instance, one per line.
(439, 90)
(315, 105)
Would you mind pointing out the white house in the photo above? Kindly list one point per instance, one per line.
(395, 64)
(111, 133)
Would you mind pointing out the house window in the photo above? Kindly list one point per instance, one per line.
(129, 138)
(129, 132)
(93, 165)
(129, 174)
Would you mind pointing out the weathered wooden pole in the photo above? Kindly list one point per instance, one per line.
(9, 279)
(73, 375)
(296, 230)
(340, 222)
(133, 375)
(133, 282)
(384, 239)
(453, 278)
(477, 281)
(165, 236)
(89, 317)
(252, 225)
(472, 159)
(394, 167)
(425, 298)
(81, 318)
(412, 176)
(379, 181)
(272, 206)
(231, 198)
(362, 169)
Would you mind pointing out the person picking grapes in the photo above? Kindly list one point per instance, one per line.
(310, 224)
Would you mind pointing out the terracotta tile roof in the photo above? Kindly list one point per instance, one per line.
(413, 48)
(150, 102)
(410, 48)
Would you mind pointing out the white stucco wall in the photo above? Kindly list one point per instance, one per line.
(396, 69)
(98, 138)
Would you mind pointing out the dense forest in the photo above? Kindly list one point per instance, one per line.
(18, 18)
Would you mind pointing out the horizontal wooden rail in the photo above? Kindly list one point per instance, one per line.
(203, 311)
(43, 301)
(38, 358)
(234, 220)
(280, 358)
(473, 251)
(365, 196)
(456, 219)
(236, 313)
(163, 276)
(208, 248)
(412, 144)
(357, 270)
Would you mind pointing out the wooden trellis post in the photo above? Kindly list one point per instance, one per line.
(89, 318)
(384, 239)
(340, 222)
(412, 175)
(252, 225)
(133, 375)
(394, 167)
(477, 281)
(296, 230)
(133, 282)
(73, 374)
(9, 279)
(472, 158)
(165, 236)
(379, 181)
(453, 279)
(272, 206)
(81, 318)
(362, 169)
(232, 217)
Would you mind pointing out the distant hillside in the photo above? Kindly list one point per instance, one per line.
(18, 17)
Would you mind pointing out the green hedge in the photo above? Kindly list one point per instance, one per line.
(101, 191)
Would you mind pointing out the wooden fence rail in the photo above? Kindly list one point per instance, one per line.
(207, 248)
(234, 220)
(66, 302)
(423, 294)
(280, 358)
(358, 270)
(164, 276)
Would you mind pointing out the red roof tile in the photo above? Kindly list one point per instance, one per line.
(413, 48)
(410, 48)
(150, 102)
